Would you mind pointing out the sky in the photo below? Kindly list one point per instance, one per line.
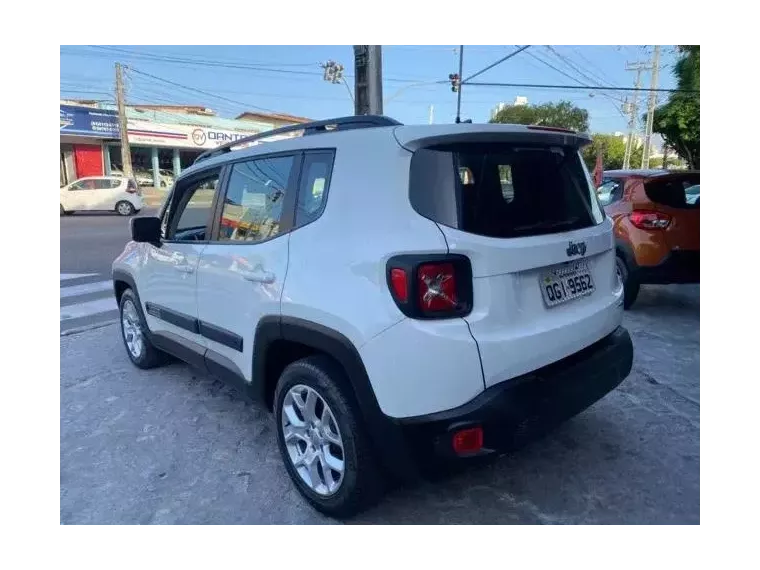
(288, 79)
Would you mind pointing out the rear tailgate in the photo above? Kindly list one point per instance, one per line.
(523, 210)
(668, 194)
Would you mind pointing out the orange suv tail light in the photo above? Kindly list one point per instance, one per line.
(649, 220)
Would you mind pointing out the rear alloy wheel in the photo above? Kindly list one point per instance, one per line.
(323, 445)
(125, 208)
(631, 285)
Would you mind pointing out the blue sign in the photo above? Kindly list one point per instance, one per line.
(86, 121)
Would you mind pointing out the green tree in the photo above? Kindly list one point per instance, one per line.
(613, 152)
(563, 114)
(678, 119)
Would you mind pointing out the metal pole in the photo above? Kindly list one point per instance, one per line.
(459, 90)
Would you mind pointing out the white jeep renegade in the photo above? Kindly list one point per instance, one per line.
(397, 295)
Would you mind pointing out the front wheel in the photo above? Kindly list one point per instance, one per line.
(134, 333)
(631, 285)
(125, 208)
(323, 445)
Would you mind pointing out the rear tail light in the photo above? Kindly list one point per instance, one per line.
(431, 286)
(649, 220)
(437, 287)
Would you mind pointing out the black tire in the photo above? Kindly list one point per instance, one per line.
(151, 357)
(64, 212)
(362, 484)
(631, 285)
(125, 208)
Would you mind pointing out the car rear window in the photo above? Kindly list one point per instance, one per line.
(672, 190)
(504, 190)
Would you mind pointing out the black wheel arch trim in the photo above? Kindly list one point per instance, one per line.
(624, 250)
(385, 435)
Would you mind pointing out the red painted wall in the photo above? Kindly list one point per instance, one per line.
(88, 159)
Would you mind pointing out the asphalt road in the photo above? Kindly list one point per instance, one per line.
(173, 445)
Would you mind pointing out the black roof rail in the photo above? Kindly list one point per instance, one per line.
(313, 128)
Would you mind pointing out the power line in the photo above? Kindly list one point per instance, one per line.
(495, 63)
(615, 101)
(195, 89)
(567, 61)
(185, 62)
(546, 63)
(195, 60)
(583, 87)
(590, 64)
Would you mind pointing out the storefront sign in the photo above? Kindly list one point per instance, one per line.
(180, 136)
(85, 121)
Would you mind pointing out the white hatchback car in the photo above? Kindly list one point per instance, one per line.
(392, 312)
(102, 193)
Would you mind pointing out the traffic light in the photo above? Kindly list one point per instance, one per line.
(454, 78)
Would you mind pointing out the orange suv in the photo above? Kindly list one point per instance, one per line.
(656, 225)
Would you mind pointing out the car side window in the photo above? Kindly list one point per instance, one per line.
(187, 217)
(83, 185)
(103, 184)
(610, 191)
(253, 205)
(315, 179)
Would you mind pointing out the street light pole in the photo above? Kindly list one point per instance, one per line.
(459, 86)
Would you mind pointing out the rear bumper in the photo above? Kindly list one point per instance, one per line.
(515, 411)
(678, 267)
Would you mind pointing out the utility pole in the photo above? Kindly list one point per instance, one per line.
(368, 89)
(126, 156)
(650, 110)
(633, 109)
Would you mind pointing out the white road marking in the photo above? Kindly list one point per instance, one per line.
(89, 308)
(67, 276)
(86, 289)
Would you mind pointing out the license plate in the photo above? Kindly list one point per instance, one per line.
(565, 283)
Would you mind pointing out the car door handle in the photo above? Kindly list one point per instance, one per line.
(184, 268)
(258, 276)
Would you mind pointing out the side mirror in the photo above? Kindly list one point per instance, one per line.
(146, 229)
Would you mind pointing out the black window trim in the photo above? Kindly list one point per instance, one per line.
(181, 187)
